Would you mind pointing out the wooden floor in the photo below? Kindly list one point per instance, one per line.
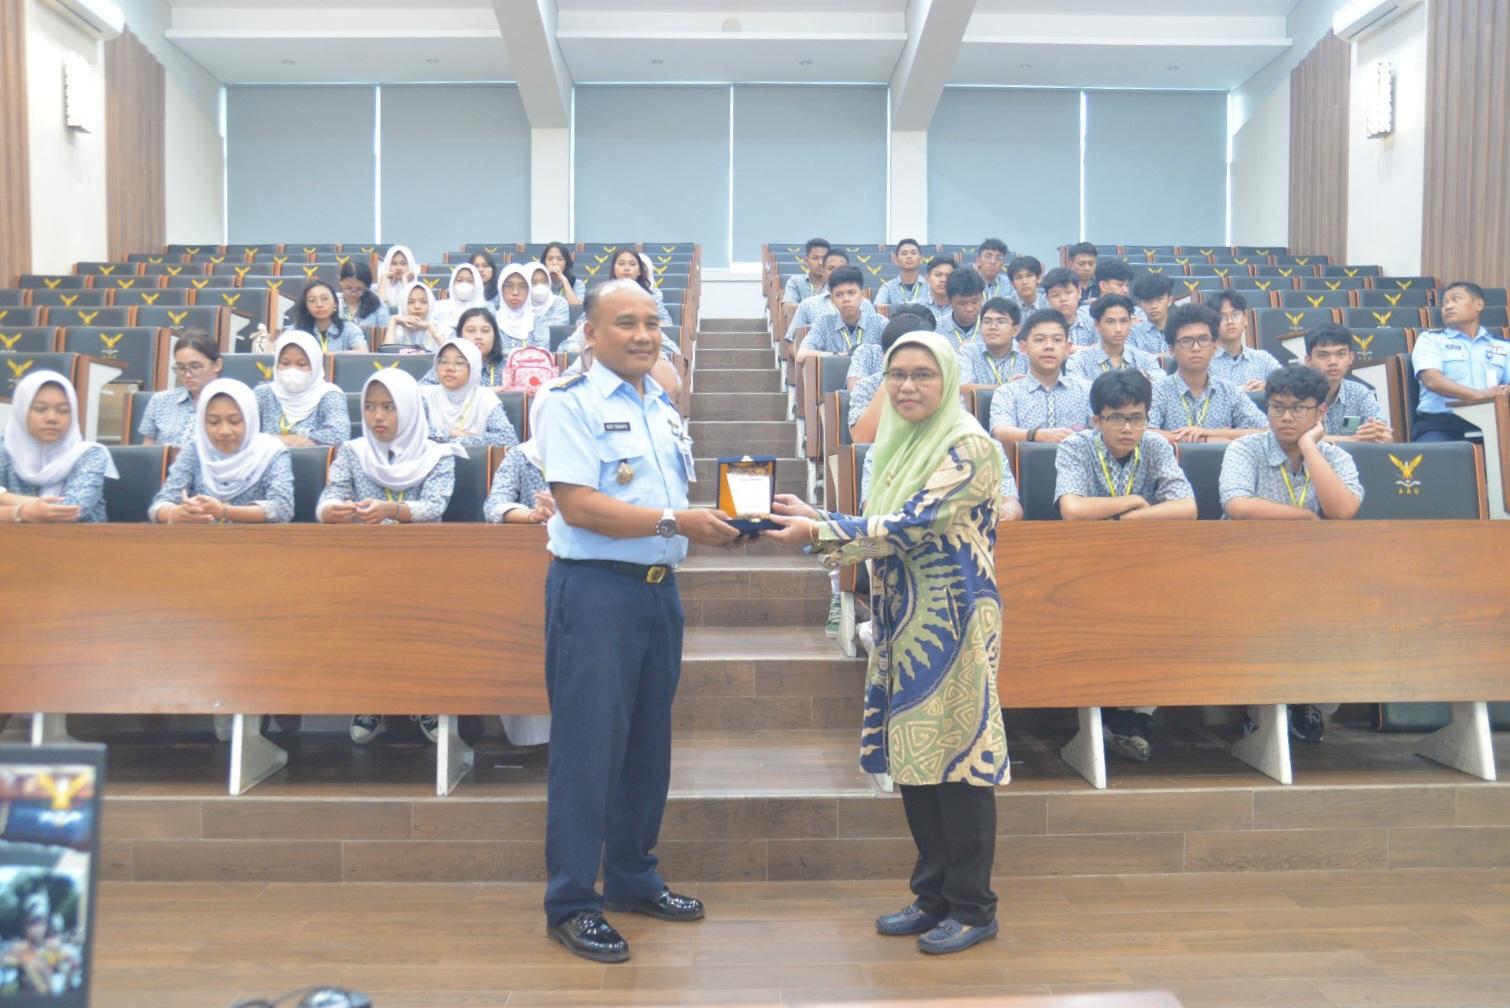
(1293, 939)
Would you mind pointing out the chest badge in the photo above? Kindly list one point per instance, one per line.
(624, 473)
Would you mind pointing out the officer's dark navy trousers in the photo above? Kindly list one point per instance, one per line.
(613, 655)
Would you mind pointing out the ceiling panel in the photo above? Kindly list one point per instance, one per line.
(1181, 67)
(324, 60)
(731, 59)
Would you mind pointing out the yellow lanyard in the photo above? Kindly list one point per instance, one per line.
(996, 372)
(1199, 421)
(1106, 472)
(389, 494)
(283, 427)
(851, 336)
(963, 336)
(1305, 489)
(910, 295)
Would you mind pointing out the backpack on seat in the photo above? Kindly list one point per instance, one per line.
(528, 368)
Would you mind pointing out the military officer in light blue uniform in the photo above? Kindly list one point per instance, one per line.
(618, 460)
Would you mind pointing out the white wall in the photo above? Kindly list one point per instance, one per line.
(1387, 177)
(67, 167)
(1261, 173)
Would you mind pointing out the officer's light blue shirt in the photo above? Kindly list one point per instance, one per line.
(590, 425)
(1480, 362)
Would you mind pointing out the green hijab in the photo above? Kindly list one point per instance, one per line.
(906, 453)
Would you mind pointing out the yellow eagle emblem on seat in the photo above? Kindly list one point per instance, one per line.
(379, 365)
(1382, 318)
(266, 370)
(1407, 483)
(1297, 319)
(52, 282)
(177, 318)
(126, 284)
(1393, 299)
(1364, 342)
(17, 369)
(63, 792)
(1315, 299)
(68, 299)
(10, 341)
(107, 269)
(200, 284)
(1334, 286)
(150, 299)
(110, 345)
(88, 317)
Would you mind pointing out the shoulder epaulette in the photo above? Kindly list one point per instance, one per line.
(568, 381)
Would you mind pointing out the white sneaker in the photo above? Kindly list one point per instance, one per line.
(867, 634)
(223, 726)
(429, 724)
(366, 727)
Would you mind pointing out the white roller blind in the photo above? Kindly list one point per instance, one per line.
(652, 164)
(1005, 163)
(1156, 167)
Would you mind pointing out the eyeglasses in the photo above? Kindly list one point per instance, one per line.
(1232, 316)
(1191, 342)
(922, 377)
(184, 370)
(1123, 420)
(995, 321)
(1296, 410)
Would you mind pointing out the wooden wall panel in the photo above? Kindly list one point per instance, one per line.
(1466, 231)
(15, 179)
(135, 146)
(1319, 90)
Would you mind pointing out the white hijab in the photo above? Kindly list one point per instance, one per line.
(297, 406)
(478, 298)
(531, 448)
(516, 323)
(649, 270)
(227, 476)
(469, 406)
(404, 462)
(43, 465)
(385, 291)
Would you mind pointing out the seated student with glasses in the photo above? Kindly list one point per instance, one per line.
(1113, 315)
(847, 328)
(1046, 405)
(994, 358)
(299, 406)
(1024, 272)
(818, 302)
(1352, 408)
(909, 286)
(169, 416)
(865, 362)
(1461, 360)
(966, 292)
(459, 408)
(48, 472)
(990, 258)
(1062, 293)
(801, 286)
(318, 313)
(1083, 259)
(1235, 361)
(1154, 293)
(1291, 472)
(1190, 405)
(1121, 470)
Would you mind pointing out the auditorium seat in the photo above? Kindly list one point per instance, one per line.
(52, 281)
(1372, 318)
(13, 316)
(310, 466)
(12, 297)
(1202, 465)
(141, 350)
(1418, 298)
(71, 298)
(1273, 325)
(249, 368)
(142, 469)
(1282, 259)
(206, 318)
(983, 397)
(471, 487)
(1358, 282)
(1036, 477)
(1315, 299)
(1351, 271)
(515, 405)
(158, 297)
(350, 371)
(1435, 480)
(29, 339)
(105, 269)
(1493, 317)
(104, 316)
(1401, 283)
(252, 305)
(1370, 346)
(354, 412)
(559, 333)
(131, 417)
(172, 269)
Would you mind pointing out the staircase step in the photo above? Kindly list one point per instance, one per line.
(733, 341)
(712, 438)
(791, 475)
(747, 680)
(760, 379)
(766, 592)
(733, 325)
(709, 359)
(739, 405)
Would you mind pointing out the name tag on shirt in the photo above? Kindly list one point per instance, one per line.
(1453, 352)
(620, 426)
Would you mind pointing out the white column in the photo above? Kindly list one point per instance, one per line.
(550, 185)
(907, 215)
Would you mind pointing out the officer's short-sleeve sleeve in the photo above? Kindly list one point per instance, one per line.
(1427, 354)
(567, 447)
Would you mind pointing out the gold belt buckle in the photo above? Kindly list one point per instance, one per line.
(656, 573)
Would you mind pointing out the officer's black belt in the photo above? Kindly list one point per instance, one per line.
(649, 573)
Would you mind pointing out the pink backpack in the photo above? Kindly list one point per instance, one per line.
(528, 368)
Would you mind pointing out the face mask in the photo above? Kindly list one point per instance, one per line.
(463, 291)
(540, 295)
(294, 380)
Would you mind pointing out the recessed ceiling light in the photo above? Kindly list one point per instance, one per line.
(1024, 66)
(431, 60)
(732, 25)
(288, 62)
(804, 62)
(657, 62)
(1171, 68)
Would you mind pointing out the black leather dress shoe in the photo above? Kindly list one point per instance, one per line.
(588, 935)
(667, 906)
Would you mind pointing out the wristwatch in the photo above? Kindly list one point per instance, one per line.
(1032, 433)
(666, 527)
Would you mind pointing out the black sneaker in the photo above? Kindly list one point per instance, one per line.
(1306, 723)
(366, 727)
(1127, 732)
